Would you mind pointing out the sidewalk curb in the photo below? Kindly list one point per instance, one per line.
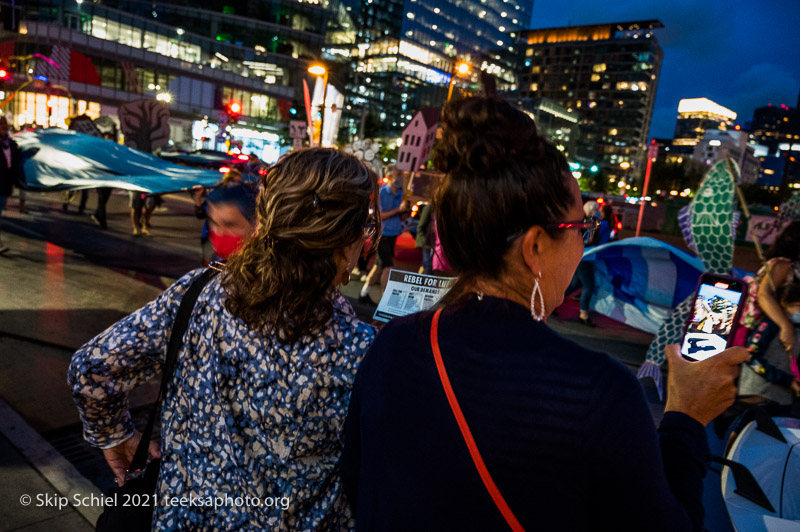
(48, 462)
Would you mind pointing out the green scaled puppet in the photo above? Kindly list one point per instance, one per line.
(712, 214)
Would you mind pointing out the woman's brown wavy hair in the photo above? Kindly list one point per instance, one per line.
(313, 204)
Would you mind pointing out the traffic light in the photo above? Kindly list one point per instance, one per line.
(234, 111)
(3, 74)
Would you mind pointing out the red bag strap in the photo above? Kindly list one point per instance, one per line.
(497, 497)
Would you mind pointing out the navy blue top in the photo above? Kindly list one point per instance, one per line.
(565, 432)
(389, 201)
(603, 232)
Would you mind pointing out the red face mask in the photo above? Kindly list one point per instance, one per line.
(224, 245)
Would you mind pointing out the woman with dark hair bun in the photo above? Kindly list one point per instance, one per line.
(255, 406)
(476, 415)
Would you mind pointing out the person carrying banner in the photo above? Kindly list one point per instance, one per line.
(11, 171)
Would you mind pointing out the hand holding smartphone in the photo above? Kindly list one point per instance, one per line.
(717, 306)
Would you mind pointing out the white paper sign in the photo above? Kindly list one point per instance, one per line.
(762, 226)
(408, 292)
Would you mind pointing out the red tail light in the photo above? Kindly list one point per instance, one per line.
(224, 170)
(619, 226)
(243, 157)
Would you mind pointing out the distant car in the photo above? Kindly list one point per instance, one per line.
(211, 159)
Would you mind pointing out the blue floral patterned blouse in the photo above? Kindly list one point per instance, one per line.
(251, 427)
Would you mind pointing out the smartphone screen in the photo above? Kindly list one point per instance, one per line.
(716, 307)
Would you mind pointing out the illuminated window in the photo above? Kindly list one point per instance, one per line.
(529, 52)
(534, 86)
(595, 77)
(536, 69)
(599, 67)
(622, 85)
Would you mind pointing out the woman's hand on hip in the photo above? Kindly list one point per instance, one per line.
(119, 458)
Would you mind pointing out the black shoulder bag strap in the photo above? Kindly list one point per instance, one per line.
(179, 327)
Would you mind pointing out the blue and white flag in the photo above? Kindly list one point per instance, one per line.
(59, 159)
(638, 281)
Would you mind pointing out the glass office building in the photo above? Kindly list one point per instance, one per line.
(608, 74)
(81, 56)
(406, 52)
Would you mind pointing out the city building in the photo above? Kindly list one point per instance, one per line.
(608, 73)
(406, 53)
(554, 122)
(67, 57)
(716, 145)
(698, 115)
(776, 140)
(418, 138)
(670, 152)
(775, 125)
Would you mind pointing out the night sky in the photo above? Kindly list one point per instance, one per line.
(742, 54)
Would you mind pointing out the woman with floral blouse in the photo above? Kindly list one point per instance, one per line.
(256, 404)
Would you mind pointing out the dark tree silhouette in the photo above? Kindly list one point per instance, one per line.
(145, 124)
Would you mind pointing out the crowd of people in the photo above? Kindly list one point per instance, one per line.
(474, 415)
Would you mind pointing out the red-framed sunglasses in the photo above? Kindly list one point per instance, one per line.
(587, 227)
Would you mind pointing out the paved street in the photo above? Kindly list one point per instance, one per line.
(66, 280)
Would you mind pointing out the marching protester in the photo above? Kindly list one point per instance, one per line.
(392, 205)
(11, 172)
(231, 217)
(231, 178)
(264, 371)
(478, 416)
(425, 239)
(584, 274)
(142, 206)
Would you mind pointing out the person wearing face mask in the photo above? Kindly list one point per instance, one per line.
(263, 376)
(231, 178)
(231, 218)
(392, 206)
(11, 172)
(772, 373)
(476, 415)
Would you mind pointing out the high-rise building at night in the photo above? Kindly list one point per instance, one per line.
(608, 73)
(774, 125)
(698, 115)
(92, 56)
(775, 133)
(406, 52)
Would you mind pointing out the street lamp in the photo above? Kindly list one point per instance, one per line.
(460, 68)
(319, 70)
